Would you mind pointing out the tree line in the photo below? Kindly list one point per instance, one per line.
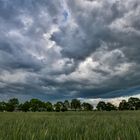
(131, 104)
(73, 105)
(38, 105)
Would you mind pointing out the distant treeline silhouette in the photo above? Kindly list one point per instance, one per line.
(74, 105)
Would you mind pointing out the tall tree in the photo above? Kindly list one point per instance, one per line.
(25, 106)
(67, 104)
(49, 106)
(75, 104)
(12, 104)
(59, 106)
(110, 107)
(87, 106)
(134, 103)
(101, 106)
(123, 105)
(37, 105)
(2, 106)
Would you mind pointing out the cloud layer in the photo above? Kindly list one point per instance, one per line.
(57, 49)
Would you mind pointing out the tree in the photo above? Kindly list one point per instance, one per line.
(75, 104)
(49, 106)
(25, 107)
(37, 105)
(67, 104)
(63, 109)
(87, 106)
(2, 106)
(12, 104)
(110, 107)
(134, 103)
(58, 106)
(101, 106)
(123, 105)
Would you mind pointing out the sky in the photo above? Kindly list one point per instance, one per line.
(64, 49)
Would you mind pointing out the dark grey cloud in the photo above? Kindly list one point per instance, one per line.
(57, 49)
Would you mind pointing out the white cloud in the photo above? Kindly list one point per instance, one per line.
(114, 101)
(17, 76)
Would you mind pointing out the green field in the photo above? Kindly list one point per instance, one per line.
(70, 126)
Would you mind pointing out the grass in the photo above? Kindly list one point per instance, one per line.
(70, 126)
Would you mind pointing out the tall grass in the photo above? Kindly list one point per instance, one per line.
(70, 126)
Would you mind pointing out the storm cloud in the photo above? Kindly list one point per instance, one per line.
(63, 49)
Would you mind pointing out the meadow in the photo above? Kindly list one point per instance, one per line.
(117, 125)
